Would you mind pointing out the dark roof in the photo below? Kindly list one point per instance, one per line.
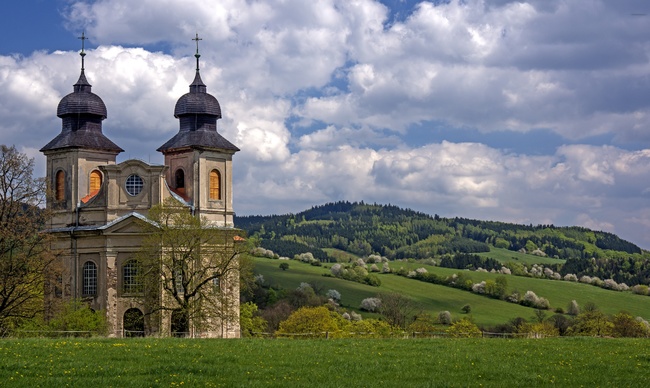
(198, 113)
(197, 101)
(198, 139)
(88, 139)
(82, 101)
(82, 113)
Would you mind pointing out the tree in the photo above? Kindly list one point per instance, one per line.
(625, 325)
(284, 266)
(24, 251)
(397, 309)
(190, 268)
(250, 323)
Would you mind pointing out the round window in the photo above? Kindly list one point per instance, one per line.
(134, 185)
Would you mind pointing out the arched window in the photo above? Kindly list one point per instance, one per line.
(215, 185)
(89, 279)
(95, 182)
(131, 278)
(59, 186)
(179, 178)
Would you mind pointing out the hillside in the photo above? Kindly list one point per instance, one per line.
(395, 233)
(433, 298)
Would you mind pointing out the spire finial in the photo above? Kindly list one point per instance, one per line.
(197, 55)
(83, 46)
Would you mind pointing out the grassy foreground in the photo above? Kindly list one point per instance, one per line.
(324, 363)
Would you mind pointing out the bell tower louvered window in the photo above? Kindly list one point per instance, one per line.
(215, 185)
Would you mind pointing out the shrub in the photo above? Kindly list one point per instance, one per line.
(385, 268)
(370, 328)
(640, 289)
(334, 295)
(372, 280)
(585, 279)
(444, 317)
(532, 300)
(422, 323)
(610, 284)
(371, 305)
(479, 288)
(464, 329)
(421, 271)
(313, 320)
(466, 309)
(284, 266)
(374, 268)
(336, 269)
(570, 277)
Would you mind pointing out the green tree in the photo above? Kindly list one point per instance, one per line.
(370, 328)
(284, 266)
(464, 329)
(625, 325)
(189, 267)
(25, 257)
(250, 323)
(592, 322)
(313, 322)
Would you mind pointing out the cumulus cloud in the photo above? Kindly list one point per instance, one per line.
(327, 100)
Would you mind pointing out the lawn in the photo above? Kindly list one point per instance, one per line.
(447, 362)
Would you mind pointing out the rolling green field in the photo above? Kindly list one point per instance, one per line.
(506, 256)
(435, 298)
(150, 362)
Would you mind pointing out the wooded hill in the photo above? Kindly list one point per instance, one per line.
(396, 233)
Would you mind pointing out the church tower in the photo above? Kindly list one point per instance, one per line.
(73, 157)
(198, 157)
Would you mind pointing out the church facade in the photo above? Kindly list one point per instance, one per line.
(99, 205)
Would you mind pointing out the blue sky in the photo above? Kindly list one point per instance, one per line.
(532, 111)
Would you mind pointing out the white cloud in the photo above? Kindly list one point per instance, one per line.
(324, 96)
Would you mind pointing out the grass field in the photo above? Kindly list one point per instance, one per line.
(435, 298)
(566, 362)
(506, 256)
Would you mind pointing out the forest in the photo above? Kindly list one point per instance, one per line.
(397, 233)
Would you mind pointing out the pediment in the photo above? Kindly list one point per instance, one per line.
(132, 223)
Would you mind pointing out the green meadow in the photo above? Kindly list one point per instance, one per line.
(150, 362)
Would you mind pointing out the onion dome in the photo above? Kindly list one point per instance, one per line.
(198, 101)
(82, 113)
(198, 112)
(82, 101)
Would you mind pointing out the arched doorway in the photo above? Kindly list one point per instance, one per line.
(180, 324)
(133, 323)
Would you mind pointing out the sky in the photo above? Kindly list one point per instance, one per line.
(530, 111)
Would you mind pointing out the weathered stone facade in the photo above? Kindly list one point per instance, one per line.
(99, 205)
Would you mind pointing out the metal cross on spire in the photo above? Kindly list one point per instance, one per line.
(83, 46)
(197, 55)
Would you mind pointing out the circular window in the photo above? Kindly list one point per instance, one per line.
(134, 185)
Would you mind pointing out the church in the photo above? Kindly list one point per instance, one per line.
(99, 206)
